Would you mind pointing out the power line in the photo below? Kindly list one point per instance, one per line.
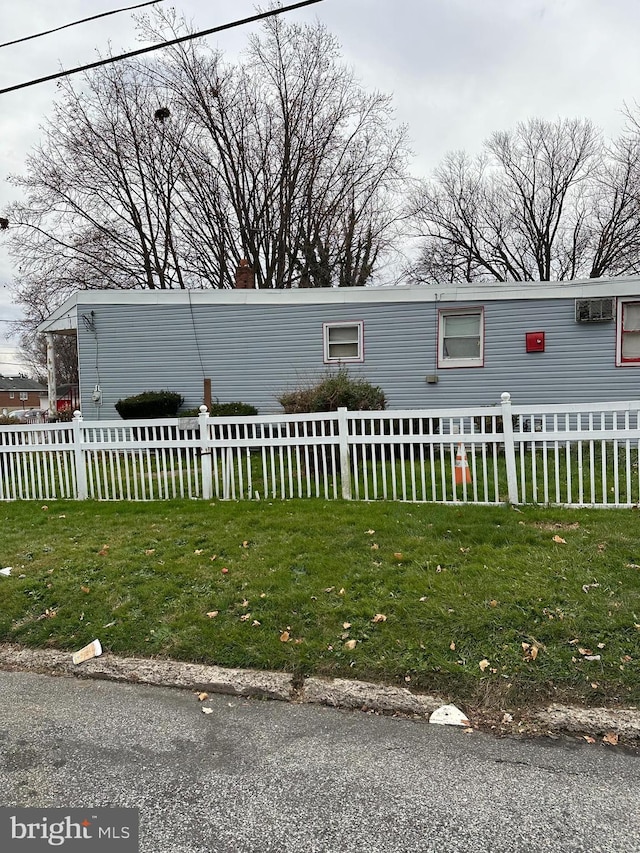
(82, 21)
(153, 47)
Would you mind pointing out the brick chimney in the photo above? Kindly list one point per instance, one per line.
(245, 276)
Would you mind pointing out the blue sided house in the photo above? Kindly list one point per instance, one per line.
(428, 347)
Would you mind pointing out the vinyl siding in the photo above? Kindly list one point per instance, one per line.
(254, 352)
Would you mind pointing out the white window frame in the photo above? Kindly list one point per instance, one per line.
(444, 361)
(24, 395)
(620, 361)
(12, 395)
(358, 326)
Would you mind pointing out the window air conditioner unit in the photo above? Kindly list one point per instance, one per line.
(594, 310)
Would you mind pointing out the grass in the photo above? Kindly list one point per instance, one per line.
(461, 589)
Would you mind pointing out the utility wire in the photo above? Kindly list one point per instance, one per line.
(82, 21)
(153, 47)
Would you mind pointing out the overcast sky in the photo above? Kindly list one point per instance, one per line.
(457, 69)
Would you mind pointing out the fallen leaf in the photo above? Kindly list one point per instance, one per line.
(375, 546)
(484, 664)
(330, 589)
(350, 644)
(45, 507)
(224, 570)
(62, 516)
(534, 653)
(439, 568)
(346, 625)
(465, 550)
(104, 551)
(589, 586)
(215, 557)
(150, 551)
(507, 718)
(212, 614)
(585, 651)
(595, 685)
(610, 738)
(370, 532)
(589, 739)
(245, 544)
(109, 624)
(379, 617)
(245, 603)
(284, 637)
(424, 598)
(202, 696)
(493, 603)
(255, 623)
(245, 617)
(199, 551)
(559, 540)
(398, 555)
(601, 645)
(85, 589)
(452, 646)
(207, 710)
(341, 591)
(263, 595)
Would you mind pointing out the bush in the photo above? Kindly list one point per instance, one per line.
(223, 410)
(332, 392)
(150, 404)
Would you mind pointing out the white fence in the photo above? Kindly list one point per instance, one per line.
(575, 455)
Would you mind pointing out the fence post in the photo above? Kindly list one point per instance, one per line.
(509, 448)
(205, 454)
(345, 466)
(82, 492)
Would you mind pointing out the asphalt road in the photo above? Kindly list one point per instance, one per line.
(268, 777)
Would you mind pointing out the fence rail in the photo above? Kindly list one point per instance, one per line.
(574, 455)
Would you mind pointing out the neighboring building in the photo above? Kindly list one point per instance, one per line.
(16, 392)
(426, 346)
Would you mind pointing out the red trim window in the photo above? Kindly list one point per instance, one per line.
(628, 343)
(461, 337)
(343, 342)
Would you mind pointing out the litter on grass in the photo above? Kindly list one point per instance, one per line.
(6, 572)
(93, 650)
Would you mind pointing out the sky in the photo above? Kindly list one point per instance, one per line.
(457, 70)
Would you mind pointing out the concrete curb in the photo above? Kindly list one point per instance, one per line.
(336, 692)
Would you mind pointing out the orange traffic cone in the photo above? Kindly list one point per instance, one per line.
(462, 472)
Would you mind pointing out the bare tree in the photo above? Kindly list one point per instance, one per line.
(548, 201)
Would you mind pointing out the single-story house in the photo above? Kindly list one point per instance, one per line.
(17, 392)
(426, 346)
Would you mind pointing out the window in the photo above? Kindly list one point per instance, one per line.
(628, 337)
(343, 342)
(12, 394)
(461, 337)
(24, 395)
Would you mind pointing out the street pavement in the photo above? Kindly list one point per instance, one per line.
(271, 777)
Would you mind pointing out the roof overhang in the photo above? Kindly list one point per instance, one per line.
(65, 319)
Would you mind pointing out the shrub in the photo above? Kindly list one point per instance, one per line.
(332, 392)
(223, 410)
(150, 404)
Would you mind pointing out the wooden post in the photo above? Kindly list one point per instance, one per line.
(82, 492)
(345, 466)
(207, 394)
(205, 452)
(509, 448)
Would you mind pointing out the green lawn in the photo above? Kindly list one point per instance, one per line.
(483, 603)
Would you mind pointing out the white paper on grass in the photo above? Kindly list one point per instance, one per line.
(449, 715)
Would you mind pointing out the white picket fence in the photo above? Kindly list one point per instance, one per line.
(574, 455)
